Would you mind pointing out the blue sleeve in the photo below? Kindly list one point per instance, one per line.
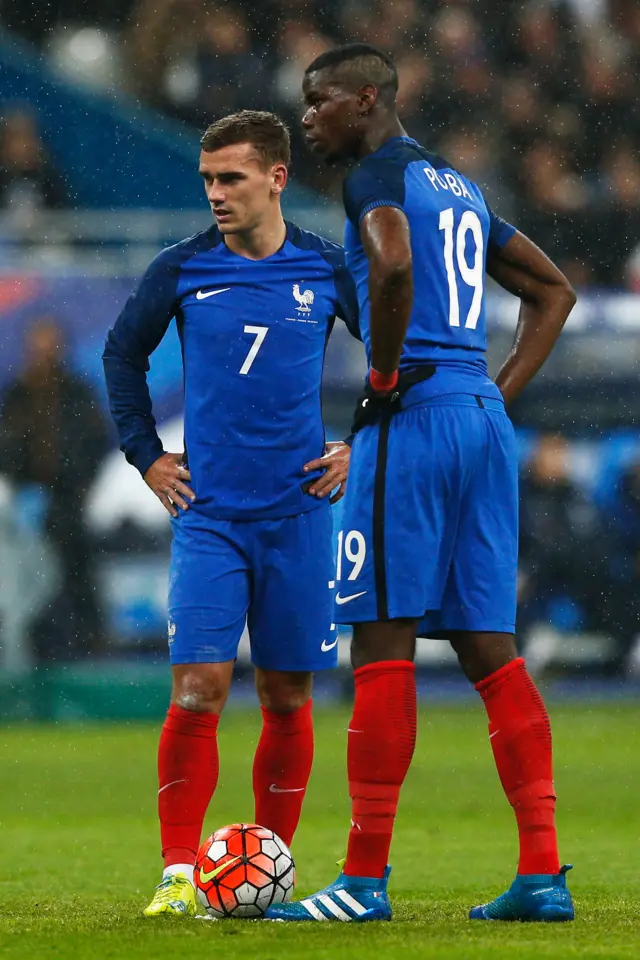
(137, 332)
(499, 230)
(378, 183)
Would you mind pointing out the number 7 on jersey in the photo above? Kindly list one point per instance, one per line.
(259, 334)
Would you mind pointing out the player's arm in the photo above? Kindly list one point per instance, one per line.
(137, 332)
(374, 196)
(547, 299)
(386, 239)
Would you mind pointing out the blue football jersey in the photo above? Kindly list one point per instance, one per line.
(451, 229)
(253, 337)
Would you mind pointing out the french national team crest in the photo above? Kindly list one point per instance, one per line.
(171, 630)
(304, 298)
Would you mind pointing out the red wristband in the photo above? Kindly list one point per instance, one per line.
(382, 382)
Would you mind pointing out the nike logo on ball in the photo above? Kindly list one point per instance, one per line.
(340, 600)
(328, 646)
(274, 789)
(200, 295)
(205, 877)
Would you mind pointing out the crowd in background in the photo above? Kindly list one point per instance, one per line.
(539, 104)
(53, 439)
(579, 554)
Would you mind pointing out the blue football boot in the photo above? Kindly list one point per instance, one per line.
(535, 898)
(349, 900)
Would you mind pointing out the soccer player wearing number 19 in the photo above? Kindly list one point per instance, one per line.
(431, 508)
(254, 299)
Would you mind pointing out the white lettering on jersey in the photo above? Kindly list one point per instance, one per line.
(453, 184)
(449, 181)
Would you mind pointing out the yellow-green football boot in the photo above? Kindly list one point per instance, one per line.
(174, 897)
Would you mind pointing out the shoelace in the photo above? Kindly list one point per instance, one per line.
(168, 889)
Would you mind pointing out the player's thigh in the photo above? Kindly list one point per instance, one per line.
(290, 619)
(209, 584)
(399, 519)
(480, 594)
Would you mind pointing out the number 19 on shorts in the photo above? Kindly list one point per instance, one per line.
(352, 544)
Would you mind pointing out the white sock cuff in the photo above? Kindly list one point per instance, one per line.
(172, 869)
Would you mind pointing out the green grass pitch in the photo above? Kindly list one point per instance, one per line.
(79, 849)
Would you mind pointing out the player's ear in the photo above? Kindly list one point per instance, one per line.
(279, 174)
(367, 98)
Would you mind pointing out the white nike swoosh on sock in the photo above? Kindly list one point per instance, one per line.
(173, 782)
(274, 789)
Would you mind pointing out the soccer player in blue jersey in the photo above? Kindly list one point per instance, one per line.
(254, 299)
(429, 539)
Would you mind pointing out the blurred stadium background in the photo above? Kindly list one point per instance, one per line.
(101, 108)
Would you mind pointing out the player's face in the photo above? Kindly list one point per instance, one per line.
(241, 189)
(332, 124)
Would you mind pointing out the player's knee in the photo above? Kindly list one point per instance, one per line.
(283, 692)
(382, 641)
(481, 654)
(201, 688)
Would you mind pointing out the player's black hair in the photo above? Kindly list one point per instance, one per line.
(263, 130)
(358, 64)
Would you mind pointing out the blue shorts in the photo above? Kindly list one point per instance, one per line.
(430, 521)
(272, 574)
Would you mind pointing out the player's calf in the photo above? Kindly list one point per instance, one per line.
(520, 736)
(187, 779)
(284, 756)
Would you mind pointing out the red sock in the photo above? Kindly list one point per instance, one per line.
(187, 774)
(520, 736)
(382, 736)
(281, 769)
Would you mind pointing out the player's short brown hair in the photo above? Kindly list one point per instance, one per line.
(357, 64)
(264, 131)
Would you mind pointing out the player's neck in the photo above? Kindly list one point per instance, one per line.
(260, 242)
(373, 139)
